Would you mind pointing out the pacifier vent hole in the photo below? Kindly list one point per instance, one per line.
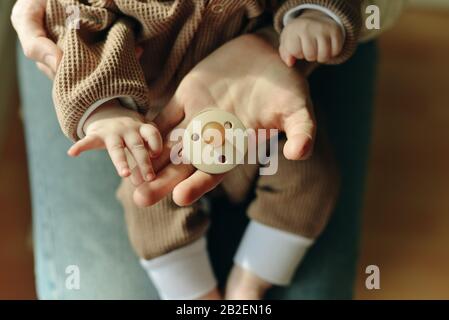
(180, 153)
(222, 159)
(228, 125)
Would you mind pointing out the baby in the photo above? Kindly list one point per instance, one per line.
(104, 86)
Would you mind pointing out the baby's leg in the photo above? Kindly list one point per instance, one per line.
(290, 210)
(171, 243)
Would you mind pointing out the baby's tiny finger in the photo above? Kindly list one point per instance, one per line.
(309, 47)
(85, 144)
(116, 151)
(324, 49)
(281, 54)
(337, 45)
(152, 136)
(136, 146)
(294, 48)
(291, 60)
(288, 59)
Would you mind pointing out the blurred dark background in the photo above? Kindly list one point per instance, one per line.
(406, 216)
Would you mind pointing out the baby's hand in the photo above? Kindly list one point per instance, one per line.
(114, 127)
(313, 36)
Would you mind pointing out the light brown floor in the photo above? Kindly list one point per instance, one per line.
(406, 228)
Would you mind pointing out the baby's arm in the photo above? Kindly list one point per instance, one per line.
(113, 127)
(313, 36)
(323, 31)
(99, 61)
(98, 76)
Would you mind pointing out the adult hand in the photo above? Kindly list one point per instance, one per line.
(246, 77)
(28, 19)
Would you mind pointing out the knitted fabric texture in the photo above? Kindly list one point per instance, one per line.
(99, 60)
(298, 199)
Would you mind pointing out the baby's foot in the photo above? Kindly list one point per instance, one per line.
(245, 285)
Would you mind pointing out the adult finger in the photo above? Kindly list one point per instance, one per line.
(172, 145)
(166, 155)
(46, 70)
(42, 50)
(170, 116)
(28, 20)
(136, 177)
(195, 186)
(152, 192)
(300, 128)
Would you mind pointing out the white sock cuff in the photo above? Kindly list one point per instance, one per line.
(183, 274)
(270, 253)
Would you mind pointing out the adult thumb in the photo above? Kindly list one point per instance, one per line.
(300, 130)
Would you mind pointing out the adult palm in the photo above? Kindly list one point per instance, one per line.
(246, 77)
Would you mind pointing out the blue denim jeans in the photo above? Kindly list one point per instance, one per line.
(78, 222)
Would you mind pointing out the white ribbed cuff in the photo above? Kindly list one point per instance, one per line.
(126, 101)
(183, 274)
(295, 12)
(272, 254)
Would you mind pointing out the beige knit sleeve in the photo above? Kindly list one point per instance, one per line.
(349, 12)
(99, 60)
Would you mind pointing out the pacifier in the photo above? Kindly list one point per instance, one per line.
(215, 141)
